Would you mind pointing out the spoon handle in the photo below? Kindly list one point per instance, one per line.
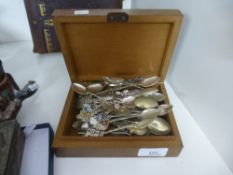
(117, 129)
(124, 118)
(113, 90)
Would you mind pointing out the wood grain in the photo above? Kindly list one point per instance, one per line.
(94, 48)
(142, 46)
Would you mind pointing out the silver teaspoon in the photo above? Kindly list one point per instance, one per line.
(145, 102)
(159, 126)
(145, 114)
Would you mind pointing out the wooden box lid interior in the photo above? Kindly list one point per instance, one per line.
(94, 47)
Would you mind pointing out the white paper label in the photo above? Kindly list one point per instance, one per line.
(28, 129)
(152, 152)
(81, 12)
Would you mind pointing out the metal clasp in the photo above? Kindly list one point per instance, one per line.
(116, 17)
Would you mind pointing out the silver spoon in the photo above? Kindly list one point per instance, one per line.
(145, 102)
(153, 93)
(159, 126)
(79, 88)
(145, 114)
(113, 81)
(140, 124)
(82, 90)
(116, 82)
(95, 87)
(149, 82)
(138, 131)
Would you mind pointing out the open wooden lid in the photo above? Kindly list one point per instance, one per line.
(118, 43)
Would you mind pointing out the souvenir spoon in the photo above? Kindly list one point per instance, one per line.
(149, 82)
(159, 126)
(113, 81)
(79, 88)
(138, 125)
(96, 87)
(153, 93)
(145, 82)
(116, 82)
(150, 113)
(148, 91)
(145, 102)
(156, 126)
(82, 90)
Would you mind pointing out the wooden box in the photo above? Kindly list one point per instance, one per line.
(124, 43)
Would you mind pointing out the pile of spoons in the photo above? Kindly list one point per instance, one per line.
(117, 106)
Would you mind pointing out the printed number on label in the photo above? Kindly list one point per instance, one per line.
(152, 152)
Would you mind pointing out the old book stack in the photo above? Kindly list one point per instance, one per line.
(39, 17)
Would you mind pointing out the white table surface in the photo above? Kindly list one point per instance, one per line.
(198, 156)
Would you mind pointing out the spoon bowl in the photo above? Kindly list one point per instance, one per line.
(154, 94)
(150, 113)
(113, 81)
(138, 131)
(159, 126)
(79, 88)
(150, 81)
(145, 102)
(96, 87)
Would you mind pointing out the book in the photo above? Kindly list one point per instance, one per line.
(41, 25)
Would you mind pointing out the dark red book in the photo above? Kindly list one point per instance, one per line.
(41, 25)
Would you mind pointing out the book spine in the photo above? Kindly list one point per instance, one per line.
(41, 25)
(35, 12)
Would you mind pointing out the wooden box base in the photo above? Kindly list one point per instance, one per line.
(68, 143)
